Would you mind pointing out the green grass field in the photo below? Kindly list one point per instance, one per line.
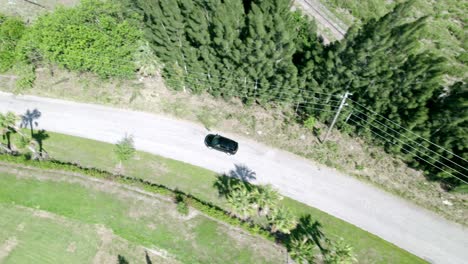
(86, 205)
(35, 236)
(199, 182)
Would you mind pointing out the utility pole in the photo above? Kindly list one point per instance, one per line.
(342, 104)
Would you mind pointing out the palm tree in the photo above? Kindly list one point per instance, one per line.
(282, 220)
(266, 197)
(240, 200)
(28, 119)
(302, 250)
(8, 127)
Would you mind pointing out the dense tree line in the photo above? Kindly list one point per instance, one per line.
(262, 51)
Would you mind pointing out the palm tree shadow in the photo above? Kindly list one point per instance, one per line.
(311, 229)
(225, 184)
(28, 119)
(242, 173)
(40, 136)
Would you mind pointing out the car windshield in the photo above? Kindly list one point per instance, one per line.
(215, 140)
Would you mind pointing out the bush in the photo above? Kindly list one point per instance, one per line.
(11, 31)
(95, 36)
(309, 123)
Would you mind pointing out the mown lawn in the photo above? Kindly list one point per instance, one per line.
(152, 223)
(38, 237)
(199, 182)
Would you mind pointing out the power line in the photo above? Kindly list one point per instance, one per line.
(408, 130)
(199, 82)
(386, 139)
(403, 146)
(302, 104)
(252, 82)
(408, 145)
(412, 140)
(250, 93)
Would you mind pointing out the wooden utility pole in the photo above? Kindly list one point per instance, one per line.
(342, 104)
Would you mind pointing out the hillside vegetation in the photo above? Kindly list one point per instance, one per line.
(262, 53)
(443, 35)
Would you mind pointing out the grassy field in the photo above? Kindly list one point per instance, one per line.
(199, 182)
(90, 205)
(36, 236)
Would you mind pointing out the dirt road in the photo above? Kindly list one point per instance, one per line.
(396, 220)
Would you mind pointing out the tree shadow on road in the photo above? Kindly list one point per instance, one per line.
(28, 119)
(242, 173)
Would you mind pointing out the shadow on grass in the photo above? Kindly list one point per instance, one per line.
(147, 258)
(122, 260)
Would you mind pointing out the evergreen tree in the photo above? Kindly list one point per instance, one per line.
(449, 123)
(267, 49)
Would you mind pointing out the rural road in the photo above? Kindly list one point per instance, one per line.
(396, 220)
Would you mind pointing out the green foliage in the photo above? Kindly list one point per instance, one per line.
(339, 252)
(240, 201)
(26, 75)
(146, 60)
(443, 36)
(302, 250)
(7, 128)
(94, 36)
(11, 31)
(282, 220)
(224, 47)
(265, 197)
(182, 206)
(125, 149)
(309, 123)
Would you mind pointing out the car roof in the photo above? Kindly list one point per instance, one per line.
(227, 142)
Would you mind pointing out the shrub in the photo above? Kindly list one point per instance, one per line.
(94, 36)
(11, 31)
(339, 252)
(309, 123)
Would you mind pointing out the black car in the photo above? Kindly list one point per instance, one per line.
(221, 143)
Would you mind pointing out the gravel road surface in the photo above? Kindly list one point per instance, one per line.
(410, 227)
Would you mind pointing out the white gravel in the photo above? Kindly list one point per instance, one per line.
(410, 227)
